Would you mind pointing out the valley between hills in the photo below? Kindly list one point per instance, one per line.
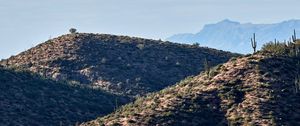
(100, 79)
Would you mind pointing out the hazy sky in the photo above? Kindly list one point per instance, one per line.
(25, 23)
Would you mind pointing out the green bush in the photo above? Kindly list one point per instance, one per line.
(275, 48)
(72, 30)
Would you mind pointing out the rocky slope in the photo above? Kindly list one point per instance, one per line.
(256, 89)
(119, 64)
(27, 99)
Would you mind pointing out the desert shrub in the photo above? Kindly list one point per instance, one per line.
(72, 30)
(196, 44)
(141, 46)
(275, 48)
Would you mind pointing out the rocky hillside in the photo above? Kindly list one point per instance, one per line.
(258, 89)
(27, 99)
(119, 64)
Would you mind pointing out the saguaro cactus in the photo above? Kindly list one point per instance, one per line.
(294, 37)
(296, 47)
(253, 43)
(116, 104)
(206, 67)
(297, 84)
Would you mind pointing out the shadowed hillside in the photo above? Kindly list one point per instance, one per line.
(119, 64)
(30, 100)
(253, 90)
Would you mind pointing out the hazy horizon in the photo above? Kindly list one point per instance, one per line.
(24, 24)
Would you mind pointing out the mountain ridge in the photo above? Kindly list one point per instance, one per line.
(118, 64)
(249, 90)
(235, 37)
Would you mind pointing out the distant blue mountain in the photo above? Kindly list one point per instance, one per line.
(235, 37)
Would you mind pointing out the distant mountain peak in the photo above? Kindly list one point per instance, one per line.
(234, 36)
(228, 21)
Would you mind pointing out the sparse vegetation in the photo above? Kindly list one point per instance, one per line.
(290, 48)
(258, 89)
(29, 99)
(113, 63)
(244, 91)
(81, 64)
(276, 48)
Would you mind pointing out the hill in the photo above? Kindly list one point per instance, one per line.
(29, 99)
(235, 36)
(258, 89)
(119, 64)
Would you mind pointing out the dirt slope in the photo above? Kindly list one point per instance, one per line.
(119, 64)
(250, 90)
(27, 99)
